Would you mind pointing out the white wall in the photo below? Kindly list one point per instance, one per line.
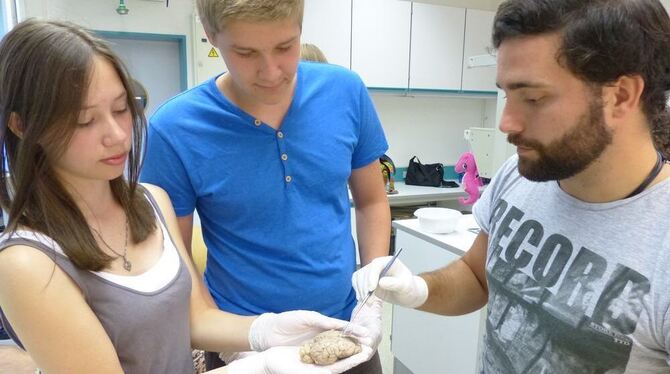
(472, 4)
(430, 127)
(144, 17)
(486, 4)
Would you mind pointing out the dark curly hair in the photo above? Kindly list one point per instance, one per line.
(602, 41)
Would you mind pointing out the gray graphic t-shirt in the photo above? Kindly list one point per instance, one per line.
(575, 287)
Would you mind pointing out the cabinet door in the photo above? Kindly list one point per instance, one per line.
(436, 59)
(380, 42)
(478, 28)
(327, 24)
(431, 343)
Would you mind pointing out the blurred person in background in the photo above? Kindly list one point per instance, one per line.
(310, 52)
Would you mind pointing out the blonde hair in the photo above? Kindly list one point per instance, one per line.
(310, 52)
(215, 14)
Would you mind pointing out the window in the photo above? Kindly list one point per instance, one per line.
(7, 15)
(2, 18)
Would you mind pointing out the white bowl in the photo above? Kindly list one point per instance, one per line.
(438, 220)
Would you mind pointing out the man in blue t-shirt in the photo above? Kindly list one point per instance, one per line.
(264, 153)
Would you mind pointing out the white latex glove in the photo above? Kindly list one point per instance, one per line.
(277, 360)
(399, 286)
(293, 328)
(286, 360)
(370, 317)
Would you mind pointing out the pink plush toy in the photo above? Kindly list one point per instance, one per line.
(471, 182)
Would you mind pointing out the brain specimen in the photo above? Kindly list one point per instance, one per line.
(328, 347)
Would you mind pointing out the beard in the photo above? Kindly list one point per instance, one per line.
(572, 153)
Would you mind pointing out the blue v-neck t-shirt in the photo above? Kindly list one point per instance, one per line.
(273, 204)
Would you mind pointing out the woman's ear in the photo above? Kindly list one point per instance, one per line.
(15, 125)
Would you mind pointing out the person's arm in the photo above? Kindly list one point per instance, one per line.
(460, 287)
(276, 335)
(15, 360)
(455, 289)
(373, 215)
(218, 331)
(185, 224)
(49, 314)
(211, 329)
(373, 228)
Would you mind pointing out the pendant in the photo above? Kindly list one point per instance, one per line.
(127, 265)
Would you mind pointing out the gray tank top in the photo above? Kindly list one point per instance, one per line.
(150, 330)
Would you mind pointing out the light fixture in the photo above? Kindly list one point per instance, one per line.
(121, 9)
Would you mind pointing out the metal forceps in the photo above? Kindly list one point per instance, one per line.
(365, 300)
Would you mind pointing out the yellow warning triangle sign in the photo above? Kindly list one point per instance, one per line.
(213, 53)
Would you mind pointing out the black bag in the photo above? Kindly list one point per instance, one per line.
(419, 174)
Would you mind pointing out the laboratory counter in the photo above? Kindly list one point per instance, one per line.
(411, 195)
(457, 242)
(415, 195)
(421, 342)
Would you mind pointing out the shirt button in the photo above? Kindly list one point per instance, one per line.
(284, 157)
(280, 134)
(288, 179)
(257, 122)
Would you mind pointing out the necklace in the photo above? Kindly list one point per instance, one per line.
(127, 265)
(652, 175)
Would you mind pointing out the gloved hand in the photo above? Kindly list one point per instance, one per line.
(370, 317)
(286, 360)
(277, 360)
(294, 328)
(399, 286)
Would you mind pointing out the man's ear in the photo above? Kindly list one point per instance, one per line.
(623, 96)
(15, 125)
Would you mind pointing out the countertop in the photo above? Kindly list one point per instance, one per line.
(457, 242)
(420, 194)
(409, 195)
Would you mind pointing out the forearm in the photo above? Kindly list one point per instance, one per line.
(373, 228)
(185, 225)
(217, 331)
(14, 360)
(454, 290)
(222, 370)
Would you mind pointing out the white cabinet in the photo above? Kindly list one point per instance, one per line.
(436, 60)
(403, 45)
(431, 343)
(380, 42)
(327, 24)
(478, 28)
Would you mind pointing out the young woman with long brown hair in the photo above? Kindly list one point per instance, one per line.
(94, 277)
